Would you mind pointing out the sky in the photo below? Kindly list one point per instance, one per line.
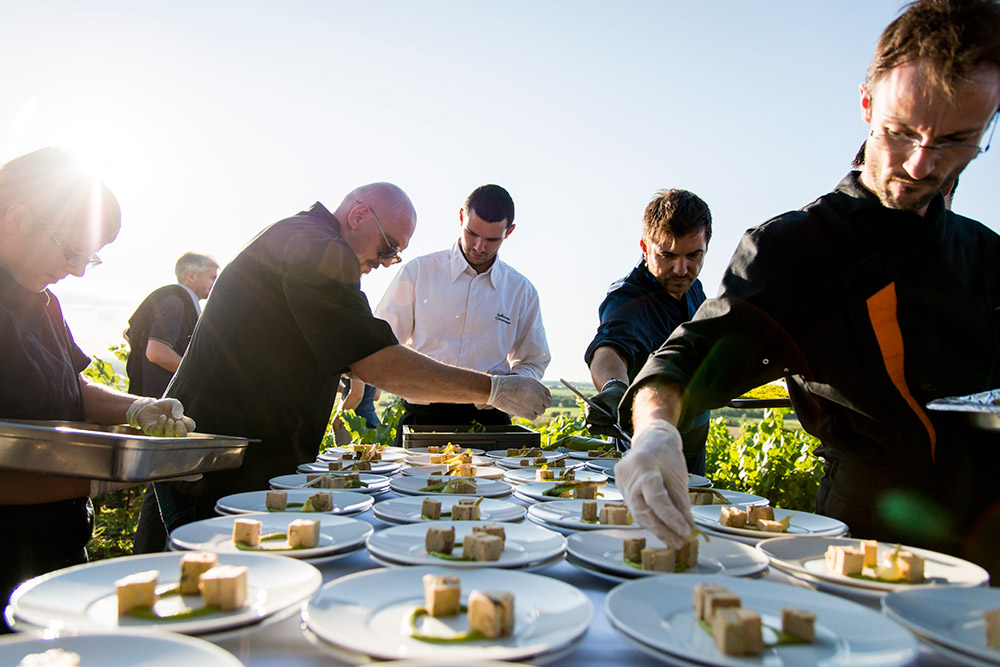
(212, 120)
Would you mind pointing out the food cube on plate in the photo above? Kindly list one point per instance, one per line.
(658, 559)
(482, 547)
(193, 564)
(738, 632)
(438, 458)
(700, 596)
(544, 475)
(463, 486)
(442, 594)
(276, 500)
(911, 566)
(687, 555)
(333, 465)
(137, 591)
(585, 491)
(433, 449)
(225, 586)
(991, 618)
(303, 533)
(870, 550)
(321, 502)
(799, 623)
(844, 559)
(491, 613)
(491, 529)
(465, 470)
(588, 510)
(733, 517)
(440, 539)
(614, 514)
(632, 548)
(756, 512)
(430, 508)
(770, 526)
(247, 531)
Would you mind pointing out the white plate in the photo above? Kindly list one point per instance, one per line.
(368, 613)
(949, 616)
(533, 491)
(525, 475)
(377, 468)
(514, 462)
(410, 486)
(566, 514)
(465, 450)
(801, 523)
(526, 544)
(584, 456)
(406, 509)
(337, 534)
(482, 472)
(391, 454)
(83, 597)
(121, 649)
(376, 483)
(657, 611)
(425, 460)
(502, 453)
(738, 498)
(603, 549)
(344, 502)
(806, 554)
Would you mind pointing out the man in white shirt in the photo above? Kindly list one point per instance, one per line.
(465, 307)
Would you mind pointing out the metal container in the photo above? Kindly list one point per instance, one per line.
(112, 453)
(980, 410)
(486, 438)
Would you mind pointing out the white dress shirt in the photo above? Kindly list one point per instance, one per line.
(491, 321)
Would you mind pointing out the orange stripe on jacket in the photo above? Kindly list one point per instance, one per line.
(882, 312)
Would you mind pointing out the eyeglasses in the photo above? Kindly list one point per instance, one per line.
(391, 254)
(900, 144)
(75, 259)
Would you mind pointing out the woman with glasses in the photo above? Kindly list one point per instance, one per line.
(54, 218)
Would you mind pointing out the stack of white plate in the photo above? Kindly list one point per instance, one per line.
(948, 620)
(412, 485)
(82, 598)
(518, 462)
(656, 616)
(372, 483)
(527, 546)
(344, 502)
(388, 454)
(804, 558)
(367, 614)
(426, 460)
(482, 472)
(525, 475)
(338, 536)
(564, 516)
(406, 509)
(801, 523)
(534, 492)
(599, 552)
(120, 649)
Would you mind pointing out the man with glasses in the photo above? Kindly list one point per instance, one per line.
(466, 307)
(643, 308)
(871, 301)
(285, 319)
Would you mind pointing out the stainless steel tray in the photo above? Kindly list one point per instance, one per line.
(112, 453)
(981, 410)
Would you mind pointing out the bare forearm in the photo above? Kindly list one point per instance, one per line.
(607, 364)
(27, 488)
(416, 377)
(657, 400)
(104, 405)
(162, 355)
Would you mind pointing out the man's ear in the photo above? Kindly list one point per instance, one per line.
(509, 230)
(461, 216)
(356, 215)
(642, 246)
(15, 219)
(866, 103)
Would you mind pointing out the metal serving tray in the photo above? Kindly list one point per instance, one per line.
(492, 437)
(981, 410)
(112, 453)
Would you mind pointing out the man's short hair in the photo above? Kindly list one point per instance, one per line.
(675, 213)
(59, 191)
(192, 261)
(491, 203)
(953, 38)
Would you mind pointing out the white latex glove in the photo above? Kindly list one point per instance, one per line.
(160, 417)
(520, 396)
(653, 478)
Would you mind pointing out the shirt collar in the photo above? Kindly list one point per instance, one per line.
(459, 265)
(194, 297)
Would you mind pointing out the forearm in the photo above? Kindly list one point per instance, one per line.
(27, 488)
(416, 377)
(354, 396)
(162, 355)
(607, 364)
(657, 400)
(104, 405)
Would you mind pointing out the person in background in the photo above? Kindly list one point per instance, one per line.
(464, 306)
(285, 320)
(871, 301)
(54, 218)
(644, 307)
(158, 334)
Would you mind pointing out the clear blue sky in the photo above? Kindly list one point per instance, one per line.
(211, 120)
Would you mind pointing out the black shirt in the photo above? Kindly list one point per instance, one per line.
(168, 315)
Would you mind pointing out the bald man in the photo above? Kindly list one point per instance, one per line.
(284, 320)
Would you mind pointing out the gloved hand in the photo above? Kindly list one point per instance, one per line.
(160, 417)
(653, 478)
(520, 396)
(608, 398)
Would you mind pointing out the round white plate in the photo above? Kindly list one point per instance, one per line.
(533, 491)
(738, 498)
(465, 450)
(121, 649)
(806, 554)
(406, 509)
(502, 453)
(376, 483)
(336, 533)
(83, 597)
(949, 616)
(606, 466)
(658, 612)
(525, 544)
(603, 549)
(525, 475)
(425, 460)
(482, 472)
(344, 502)
(514, 462)
(566, 514)
(801, 523)
(390, 454)
(410, 486)
(584, 456)
(368, 613)
(377, 468)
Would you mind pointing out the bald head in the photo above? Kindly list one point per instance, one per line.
(367, 208)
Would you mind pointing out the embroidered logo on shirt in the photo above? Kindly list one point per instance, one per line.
(500, 317)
